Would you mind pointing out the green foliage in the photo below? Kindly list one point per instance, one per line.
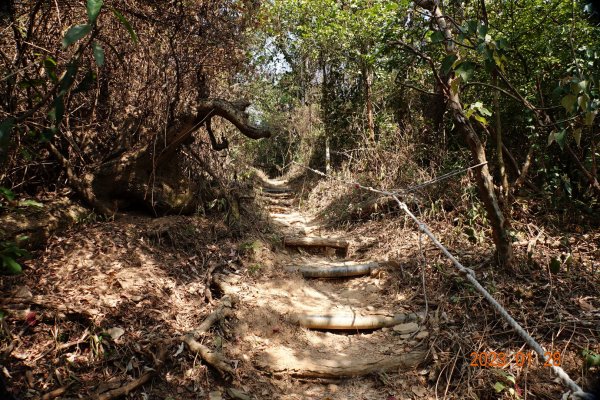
(76, 33)
(6, 194)
(9, 253)
(126, 24)
(591, 358)
(555, 265)
(6, 127)
(98, 54)
(93, 9)
(508, 384)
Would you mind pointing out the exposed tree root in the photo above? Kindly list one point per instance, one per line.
(56, 393)
(209, 356)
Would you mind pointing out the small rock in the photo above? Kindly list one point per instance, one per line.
(419, 391)
(332, 388)
(237, 394)
(116, 332)
(422, 335)
(215, 395)
(406, 328)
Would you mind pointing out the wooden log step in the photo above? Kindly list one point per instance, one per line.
(277, 209)
(287, 361)
(284, 195)
(348, 321)
(316, 242)
(279, 201)
(338, 271)
(277, 190)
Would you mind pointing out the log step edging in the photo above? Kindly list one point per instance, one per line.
(316, 242)
(335, 368)
(338, 271)
(349, 321)
(277, 190)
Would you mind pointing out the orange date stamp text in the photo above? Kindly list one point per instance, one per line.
(492, 359)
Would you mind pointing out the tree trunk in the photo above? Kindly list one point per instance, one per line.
(367, 75)
(482, 175)
(499, 145)
(152, 176)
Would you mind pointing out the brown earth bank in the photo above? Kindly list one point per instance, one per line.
(101, 311)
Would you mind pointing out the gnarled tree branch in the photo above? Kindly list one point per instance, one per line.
(234, 113)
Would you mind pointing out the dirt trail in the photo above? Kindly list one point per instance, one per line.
(273, 308)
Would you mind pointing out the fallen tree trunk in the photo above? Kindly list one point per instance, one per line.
(345, 321)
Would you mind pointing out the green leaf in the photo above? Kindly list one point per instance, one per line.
(482, 31)
(10, 265)
(7, 193)
(577, 136)
(437, 37)
(555, 265)
(592, 359)
(6, 127)
(98, 54)
(86, 83)
(465, 70)
(481, 119)
(472, 26)
(57, 111)
(127, 25)
(568, 102)
(68, 78)
(93, 9)
(30, 203)
(502, 44)
(583, 101)
(588, 118)
(447, 64)
(50, 68)
(578, 87)
(75, 33)
(499, 386)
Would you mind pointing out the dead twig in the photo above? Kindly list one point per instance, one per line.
(209, 356)
(133, 385)
(56, 392)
